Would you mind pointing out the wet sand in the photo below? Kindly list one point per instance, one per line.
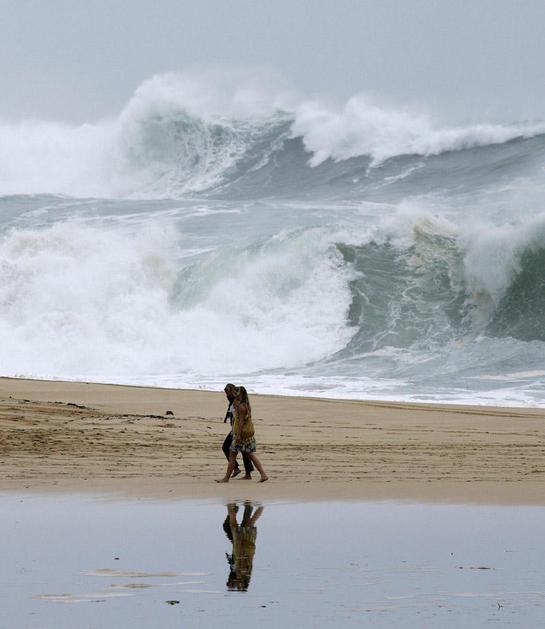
(74, 561)
(66, 436)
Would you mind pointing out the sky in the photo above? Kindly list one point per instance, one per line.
(80, 60)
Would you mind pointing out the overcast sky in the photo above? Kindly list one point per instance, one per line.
(82, 59)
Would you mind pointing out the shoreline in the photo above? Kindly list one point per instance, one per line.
(299, 396)
(65, 436)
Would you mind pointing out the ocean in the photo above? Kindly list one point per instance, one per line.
(213, 233)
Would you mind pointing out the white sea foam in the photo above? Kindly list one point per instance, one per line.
(492, 259)
(121, 301)
(178, 133)
(106, 301)
(49, 157)
(361, 127)
(488, 255)
(395, 291)
(182, 133)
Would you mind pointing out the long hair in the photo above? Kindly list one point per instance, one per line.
(242, 396)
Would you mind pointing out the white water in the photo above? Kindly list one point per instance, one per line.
(182, 132)
(308, 250)
(102, 300)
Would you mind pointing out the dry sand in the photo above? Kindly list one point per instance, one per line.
(68, 436)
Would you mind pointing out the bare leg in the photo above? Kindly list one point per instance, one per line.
(259, 467)
(255, 516)
(230, 468)
(248, 467)
(232, 511)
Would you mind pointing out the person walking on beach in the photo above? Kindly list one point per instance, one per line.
(230, 390)
(243, 436)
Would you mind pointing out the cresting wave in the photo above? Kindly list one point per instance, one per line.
(181, 134)
(81, 299)
(427, 283)
(111, 299)
(218, 228)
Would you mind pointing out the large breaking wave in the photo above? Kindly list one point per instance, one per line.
(111, 299)
(182, 133)
(99, 300)
(222, 229)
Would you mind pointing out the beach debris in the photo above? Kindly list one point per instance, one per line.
(169, 413)
(474, 568)
(172, 602)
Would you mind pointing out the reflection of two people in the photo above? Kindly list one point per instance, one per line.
(243, 537)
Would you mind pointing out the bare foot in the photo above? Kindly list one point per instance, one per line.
(236, 472)
(222, 480)
(263, 479)
(246, 477)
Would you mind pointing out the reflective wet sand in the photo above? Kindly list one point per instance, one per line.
(74, 561)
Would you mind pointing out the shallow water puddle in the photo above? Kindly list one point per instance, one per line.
(73, 561)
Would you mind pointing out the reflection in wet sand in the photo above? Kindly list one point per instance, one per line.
(162, 565)
(243, 537)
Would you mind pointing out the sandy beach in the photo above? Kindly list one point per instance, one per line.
(68, 436)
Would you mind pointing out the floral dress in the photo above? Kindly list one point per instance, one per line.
(247, 440)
